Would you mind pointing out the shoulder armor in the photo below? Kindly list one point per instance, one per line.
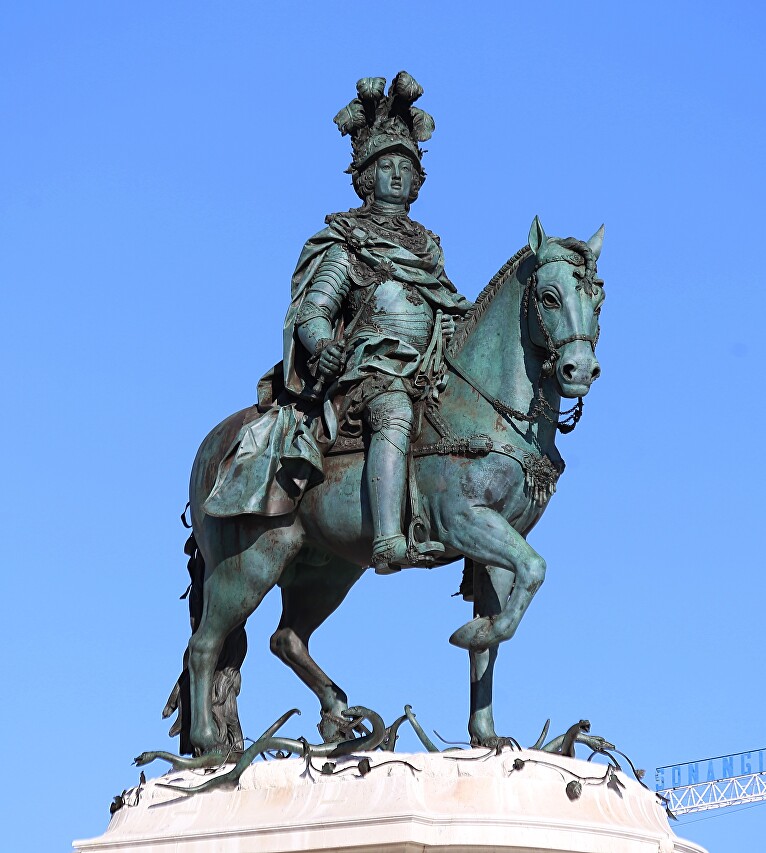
(361, 273)
(343, 221)
(332, 218)
(351, 228)
(337, 252)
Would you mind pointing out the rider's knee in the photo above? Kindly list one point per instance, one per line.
(391, 410)
(400, 406)
(390, 404)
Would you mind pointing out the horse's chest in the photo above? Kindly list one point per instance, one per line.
(499, 483)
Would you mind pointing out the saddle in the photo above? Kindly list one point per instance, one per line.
(350, 438)
(282, 440)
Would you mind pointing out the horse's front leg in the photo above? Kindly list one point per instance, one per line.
(483, 535)
(507, 574)
(491, 588)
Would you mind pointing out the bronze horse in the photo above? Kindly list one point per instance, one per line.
(486, 466)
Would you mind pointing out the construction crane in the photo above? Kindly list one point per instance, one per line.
(713, 783)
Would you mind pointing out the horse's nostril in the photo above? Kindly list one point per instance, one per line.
(596, 372)
(568, 371)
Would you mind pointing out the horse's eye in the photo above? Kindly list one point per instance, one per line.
(549, 300)
(597, 311)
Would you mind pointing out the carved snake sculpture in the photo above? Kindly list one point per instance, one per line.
(267, 743)
(380, 737)
(565, 744)
(562, 744)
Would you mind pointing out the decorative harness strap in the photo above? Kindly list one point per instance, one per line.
(540, 473)
(541, 408)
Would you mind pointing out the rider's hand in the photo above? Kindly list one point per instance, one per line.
(448, 327)
(330, 361)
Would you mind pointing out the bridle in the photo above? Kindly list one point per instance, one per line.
(541, 407)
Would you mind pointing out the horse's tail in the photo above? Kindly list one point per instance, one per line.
(227, 680)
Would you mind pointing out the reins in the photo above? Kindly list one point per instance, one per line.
(541, 407)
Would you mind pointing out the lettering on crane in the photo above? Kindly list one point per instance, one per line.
(710, 769)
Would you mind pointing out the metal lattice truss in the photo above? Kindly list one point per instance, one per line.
(715, 795)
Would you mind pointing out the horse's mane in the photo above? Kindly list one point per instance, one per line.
(484, 300)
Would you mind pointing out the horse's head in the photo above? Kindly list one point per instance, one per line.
(563, 302)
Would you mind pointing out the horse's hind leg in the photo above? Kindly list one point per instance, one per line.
(234, 586)
(309, 596)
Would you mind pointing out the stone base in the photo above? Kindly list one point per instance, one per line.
(461, 802)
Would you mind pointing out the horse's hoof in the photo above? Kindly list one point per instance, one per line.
(334, 729)
(476, 635)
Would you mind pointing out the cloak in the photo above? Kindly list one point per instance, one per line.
(271, 461)
(422, 269)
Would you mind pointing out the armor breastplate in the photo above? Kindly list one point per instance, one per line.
(398, 310)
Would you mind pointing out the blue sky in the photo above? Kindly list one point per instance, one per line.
(161, 165)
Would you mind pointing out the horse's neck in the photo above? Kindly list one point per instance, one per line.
(500, 356)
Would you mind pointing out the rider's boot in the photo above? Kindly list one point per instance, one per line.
(390, 417)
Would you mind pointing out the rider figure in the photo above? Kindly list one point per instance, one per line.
(370, 299)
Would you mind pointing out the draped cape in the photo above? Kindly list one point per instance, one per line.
(272, 459)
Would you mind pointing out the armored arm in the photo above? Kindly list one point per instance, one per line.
(316, 318)
(461, 304)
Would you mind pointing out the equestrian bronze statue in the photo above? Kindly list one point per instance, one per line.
(404, 427)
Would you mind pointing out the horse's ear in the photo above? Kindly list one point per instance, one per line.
(537, 238)
(596, 242)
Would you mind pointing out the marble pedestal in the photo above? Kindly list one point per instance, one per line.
(406, 803)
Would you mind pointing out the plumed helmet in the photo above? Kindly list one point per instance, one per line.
(378, 123)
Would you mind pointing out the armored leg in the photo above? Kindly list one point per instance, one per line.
(390, 417)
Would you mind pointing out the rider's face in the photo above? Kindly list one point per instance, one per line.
(393, 178)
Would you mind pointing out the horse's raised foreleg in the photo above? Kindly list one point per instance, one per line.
(309, 596)
(484, 536)
(507, 574)
(491, 588)
(235, 584)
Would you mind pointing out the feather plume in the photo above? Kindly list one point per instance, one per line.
(406, 87)
(423, 124)
(351, 117)
(371, 88)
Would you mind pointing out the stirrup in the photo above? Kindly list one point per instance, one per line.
(391, 553)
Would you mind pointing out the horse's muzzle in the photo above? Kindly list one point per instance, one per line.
(576, 371)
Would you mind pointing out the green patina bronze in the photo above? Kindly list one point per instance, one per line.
(404, 427)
